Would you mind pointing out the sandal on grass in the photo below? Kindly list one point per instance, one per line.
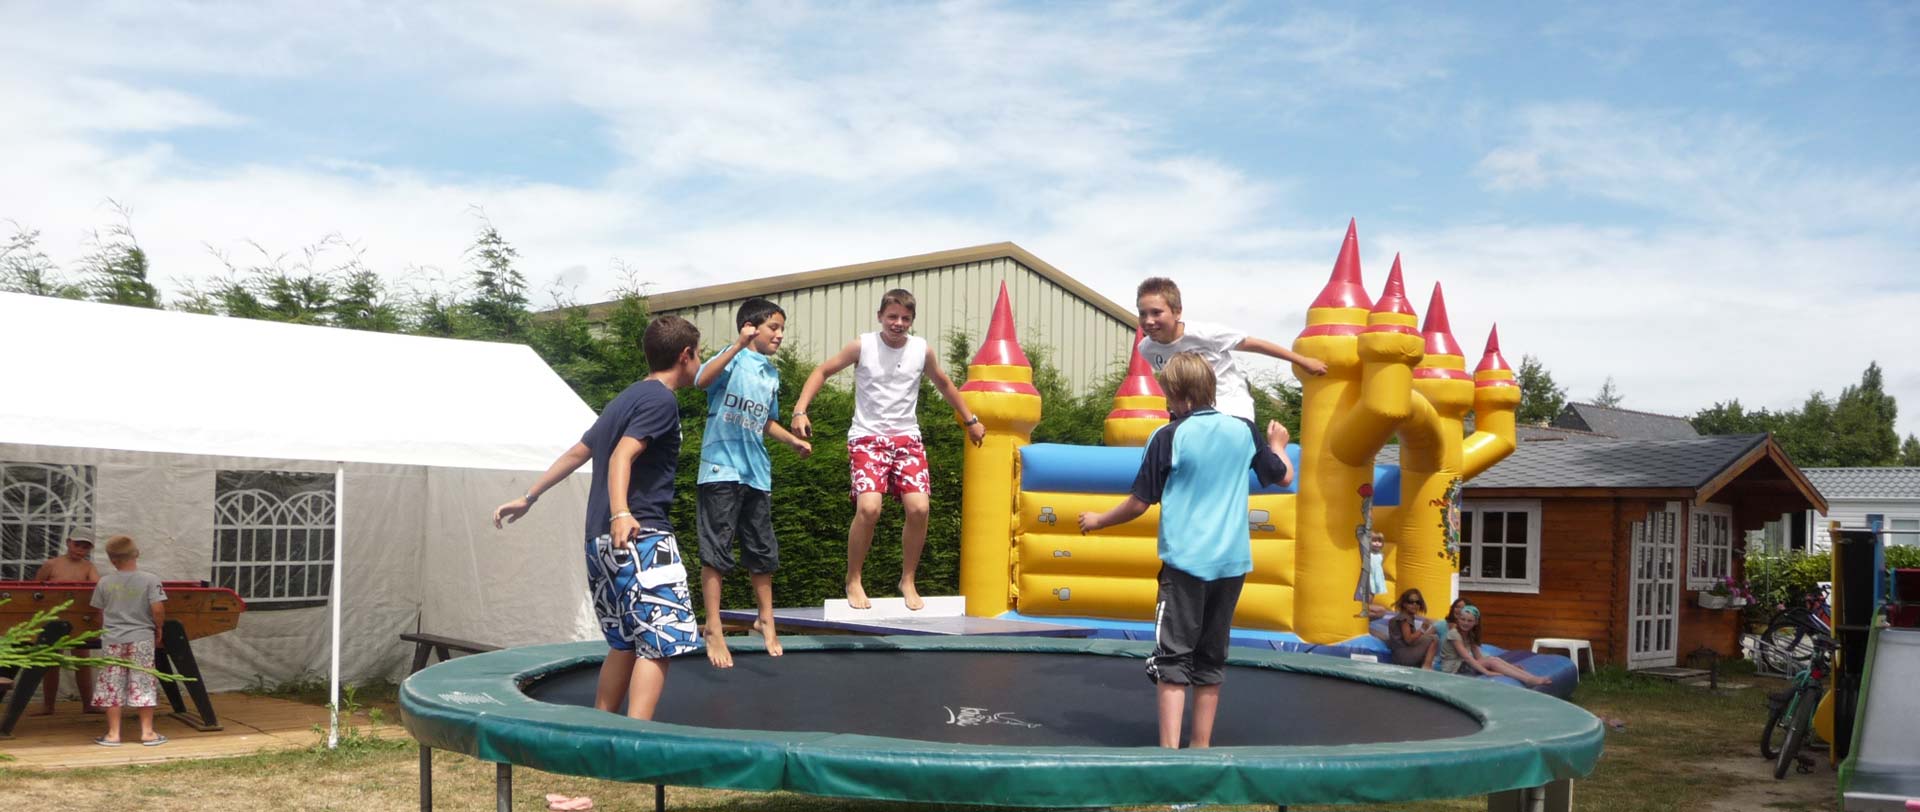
(105, 742)
(567, 803)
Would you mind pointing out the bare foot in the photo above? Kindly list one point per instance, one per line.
(42, 712)
(92, 709)
(773, 640)
(857, 595)
(912, 596)
(717, 652)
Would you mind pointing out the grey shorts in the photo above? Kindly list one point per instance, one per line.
(730, 509)
(1192, 626)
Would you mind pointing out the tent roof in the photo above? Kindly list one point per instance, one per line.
(105, 376)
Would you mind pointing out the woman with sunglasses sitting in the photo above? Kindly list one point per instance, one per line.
(1410, 637)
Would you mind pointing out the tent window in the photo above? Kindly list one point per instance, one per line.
(273, 537)
(41, 504)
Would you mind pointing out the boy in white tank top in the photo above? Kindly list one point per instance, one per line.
(883, 443)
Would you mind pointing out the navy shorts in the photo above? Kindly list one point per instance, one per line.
(1192, 627)
(640, 595)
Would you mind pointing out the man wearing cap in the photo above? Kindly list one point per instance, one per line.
(75, 565)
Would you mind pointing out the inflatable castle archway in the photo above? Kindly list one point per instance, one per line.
(1387, 376)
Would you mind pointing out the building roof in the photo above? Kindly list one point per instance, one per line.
(1549, 434)
(1866, 483)
(93, 375)
(770, 285)
(1697, 467)
(1619, 464)
(1625, 424)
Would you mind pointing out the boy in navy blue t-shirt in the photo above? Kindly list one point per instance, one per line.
(634, 571)
(736, 475)
(1195, 468)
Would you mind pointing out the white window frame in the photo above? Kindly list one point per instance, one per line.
(41, 505)
(1709, 553)
(1888, 531)
(1472, 552)
(296, 528)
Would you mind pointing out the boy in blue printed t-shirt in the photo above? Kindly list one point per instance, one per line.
(635, 576)
(1195, 468)
(736, 476)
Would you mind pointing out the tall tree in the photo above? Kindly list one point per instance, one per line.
(1540, 398)
(1609, 395)
(1730, 418)
(24, 268)
(1910, 452)
(497, 308)
(1863, 420)
(115, 271)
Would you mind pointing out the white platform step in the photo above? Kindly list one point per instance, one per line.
(890, 608)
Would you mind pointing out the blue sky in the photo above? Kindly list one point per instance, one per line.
(1702, 201)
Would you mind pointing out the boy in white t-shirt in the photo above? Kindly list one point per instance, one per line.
(883, 444)
(1158, 300)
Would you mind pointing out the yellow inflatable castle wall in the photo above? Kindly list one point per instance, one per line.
(1387, 377)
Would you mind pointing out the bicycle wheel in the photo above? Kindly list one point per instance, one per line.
(1786, 646)
(1797, 730)
(1775, 733)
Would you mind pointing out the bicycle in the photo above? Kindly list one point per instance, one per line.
(1791, 716)
(1787, 644)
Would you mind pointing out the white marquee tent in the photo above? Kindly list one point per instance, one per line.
(214, 443)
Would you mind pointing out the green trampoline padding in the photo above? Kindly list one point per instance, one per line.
(1355, 732)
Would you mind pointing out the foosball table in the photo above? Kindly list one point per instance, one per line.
(194, 610)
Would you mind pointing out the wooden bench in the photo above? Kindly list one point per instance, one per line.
(442, 646)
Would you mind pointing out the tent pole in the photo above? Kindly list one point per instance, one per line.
(339, 539)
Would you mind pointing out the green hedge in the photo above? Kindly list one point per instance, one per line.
(811, 498)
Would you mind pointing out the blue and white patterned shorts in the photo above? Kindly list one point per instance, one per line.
(640, 595)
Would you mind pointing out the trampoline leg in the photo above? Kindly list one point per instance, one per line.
(503, 787)
(426, 778)
(1554, 797)
(659, 798)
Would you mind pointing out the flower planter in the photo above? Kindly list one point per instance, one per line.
(1709, 601)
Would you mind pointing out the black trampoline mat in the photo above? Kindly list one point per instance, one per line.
(1016, 699)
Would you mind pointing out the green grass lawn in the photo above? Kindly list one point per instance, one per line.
(1682, 749)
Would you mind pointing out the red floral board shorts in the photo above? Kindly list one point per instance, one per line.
(118, 686)
(888, 465)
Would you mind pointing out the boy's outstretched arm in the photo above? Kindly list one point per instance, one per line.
(846, 357)
(1270, 461)
(1129, 509)
(1313, 366)
(975, 432)
(717, 365)
(568, 462)
(780, 434)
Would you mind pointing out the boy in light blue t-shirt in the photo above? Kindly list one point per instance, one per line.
(1195, 468)
(736, 476)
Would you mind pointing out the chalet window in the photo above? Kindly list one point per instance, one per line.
(1710, 546)
(273, 537)
(41, 504)
(1500, 546)
(1904, 530)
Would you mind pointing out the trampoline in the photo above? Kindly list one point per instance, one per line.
(1003, 721)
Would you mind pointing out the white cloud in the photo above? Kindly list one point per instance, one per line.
(762, 139)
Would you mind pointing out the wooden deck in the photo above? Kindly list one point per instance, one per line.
(252, 724)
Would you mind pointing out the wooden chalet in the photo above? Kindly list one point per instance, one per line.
(1615, 540)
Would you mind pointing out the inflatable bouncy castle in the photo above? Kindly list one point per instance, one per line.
(1387, 376)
